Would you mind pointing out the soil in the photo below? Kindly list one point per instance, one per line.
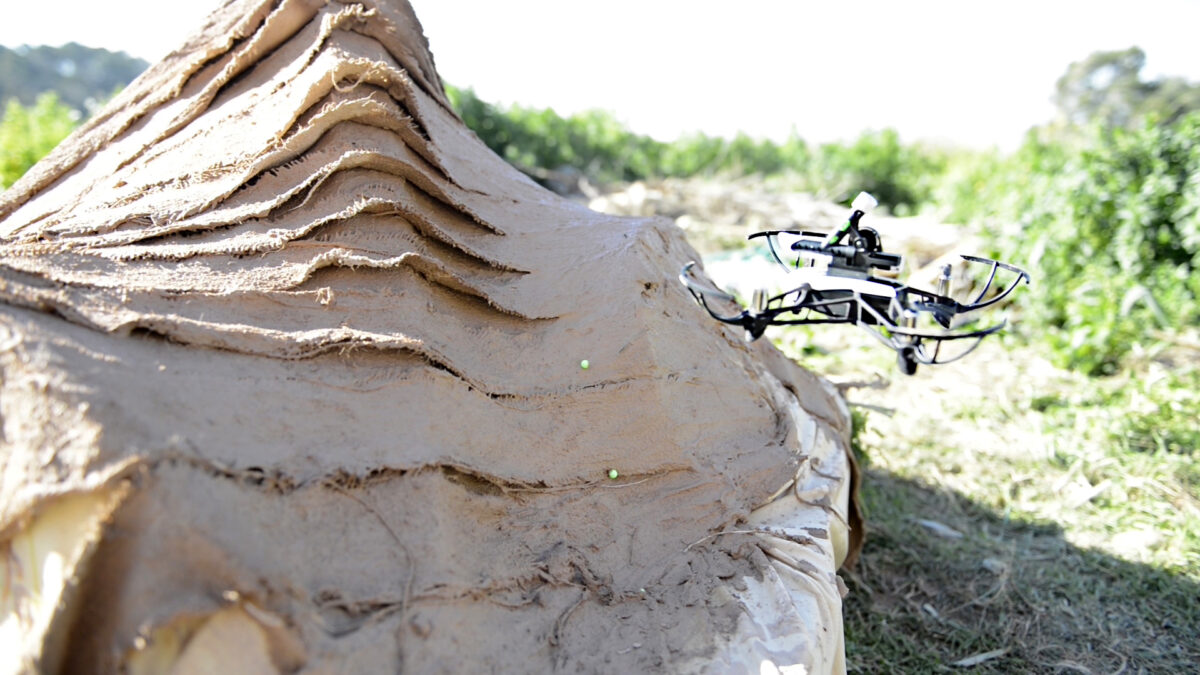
(302, 360)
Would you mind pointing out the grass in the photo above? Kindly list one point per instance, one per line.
(1029, 517)
(1022, 518)
(1013, 589)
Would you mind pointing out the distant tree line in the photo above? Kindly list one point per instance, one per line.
(1108, 88)
(81, 77)
(596, 145)
(1103, 203)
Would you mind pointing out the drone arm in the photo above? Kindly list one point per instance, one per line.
(694, 285)
(988, 284)
(778, 258)
(933, 360)
(844, 250)
(753, 323)
(1022, 275)
(922, 334)
(946, 335)
(773, 311)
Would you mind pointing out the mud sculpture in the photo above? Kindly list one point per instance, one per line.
(292, 382)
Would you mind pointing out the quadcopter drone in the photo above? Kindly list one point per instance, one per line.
(833, 282)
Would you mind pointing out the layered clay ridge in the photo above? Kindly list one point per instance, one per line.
(302, 363)
(305, 148)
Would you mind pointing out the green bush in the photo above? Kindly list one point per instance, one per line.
(1111, 230)
(600, 147)
(900, 176)
(27, 134)
(593, 142)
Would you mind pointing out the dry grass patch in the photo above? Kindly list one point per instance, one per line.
(1019, 520)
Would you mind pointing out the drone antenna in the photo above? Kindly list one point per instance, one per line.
(861, 205)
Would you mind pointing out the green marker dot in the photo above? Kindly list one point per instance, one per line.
(612, 473)
(584, 364)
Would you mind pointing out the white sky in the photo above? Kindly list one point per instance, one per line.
(971, 72)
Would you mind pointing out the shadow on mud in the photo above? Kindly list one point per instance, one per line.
(945, 583)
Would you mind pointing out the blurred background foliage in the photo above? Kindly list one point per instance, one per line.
(28, 133)
(1102, 204)
(82, 77)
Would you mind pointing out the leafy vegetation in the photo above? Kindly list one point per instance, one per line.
(46, 91)
(1109, 223)
(28, 133)
(1106, 214)
(597, 145)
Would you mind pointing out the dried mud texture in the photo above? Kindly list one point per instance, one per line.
(292, 383)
